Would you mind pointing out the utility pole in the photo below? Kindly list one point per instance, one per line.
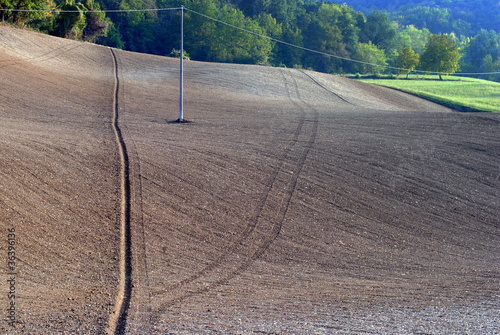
(181, 74)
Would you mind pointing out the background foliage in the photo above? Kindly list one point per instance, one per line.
(464, 17)
(365, 34)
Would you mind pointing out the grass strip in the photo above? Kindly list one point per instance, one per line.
(460, 93)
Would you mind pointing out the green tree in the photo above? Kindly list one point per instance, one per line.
(410, 36)
(97, 22)
(233, 45)
(482, 52)
(113, 38)
(286, 11)
(464, 17)
(287, 55)
(369, 56)
(489, 65)
(135, 31)
(407, 60)
(199, 31)
(379, 30)
(441, 55)
(25, 18)
(253, 7)
(85, 23)
(326, 38)
(343, 17)
(72, 21)
(273, 29)
(333, 30)
(437, 20)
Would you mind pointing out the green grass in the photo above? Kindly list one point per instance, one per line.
(465, 94)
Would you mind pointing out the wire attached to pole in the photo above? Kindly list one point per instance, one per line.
(182, 8)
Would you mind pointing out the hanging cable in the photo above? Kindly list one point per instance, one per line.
(328, 54)
(89, 10)
(249, 32)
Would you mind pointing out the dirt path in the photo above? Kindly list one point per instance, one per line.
(118, 319)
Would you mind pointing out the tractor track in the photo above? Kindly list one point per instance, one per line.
(52, 54)
(118, 319)
(324, 87)
(196, 283)
(140, 306)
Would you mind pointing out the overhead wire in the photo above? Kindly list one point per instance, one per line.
(90, 10)
(249, 32)
(325, 53)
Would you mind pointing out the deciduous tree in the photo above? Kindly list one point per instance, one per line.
(482, 53)
(370, 56)
(97, 22)
(378, 30)
(441, 55)
(23, 18)
(235, 45)
(81, 21)
(410, 36)
(71, 22)
(407, 60)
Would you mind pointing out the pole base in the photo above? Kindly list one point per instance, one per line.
(180, 121)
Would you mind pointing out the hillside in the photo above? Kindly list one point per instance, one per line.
(294, 202)
(440, 16)
(316, 35)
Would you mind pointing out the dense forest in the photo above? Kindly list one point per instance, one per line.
(464, 17)
(345, 40)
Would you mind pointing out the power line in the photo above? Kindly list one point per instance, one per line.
(247, 31)
(89, 10)
(276, 40)
(324, 53)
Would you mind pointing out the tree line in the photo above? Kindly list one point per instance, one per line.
(327, 27)
(464, 17)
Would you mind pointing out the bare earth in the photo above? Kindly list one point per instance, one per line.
(293, 202)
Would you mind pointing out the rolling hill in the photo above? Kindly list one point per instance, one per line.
(293, 202)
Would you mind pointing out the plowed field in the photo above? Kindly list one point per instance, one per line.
(293, 202)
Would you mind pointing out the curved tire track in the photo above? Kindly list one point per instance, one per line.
(324, 87)
(51, 54)
(118, 318)
(138, 318)
(185, 287)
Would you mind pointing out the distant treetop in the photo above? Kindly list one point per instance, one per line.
(463, 17)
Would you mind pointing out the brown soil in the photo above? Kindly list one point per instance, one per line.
(293, 202)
